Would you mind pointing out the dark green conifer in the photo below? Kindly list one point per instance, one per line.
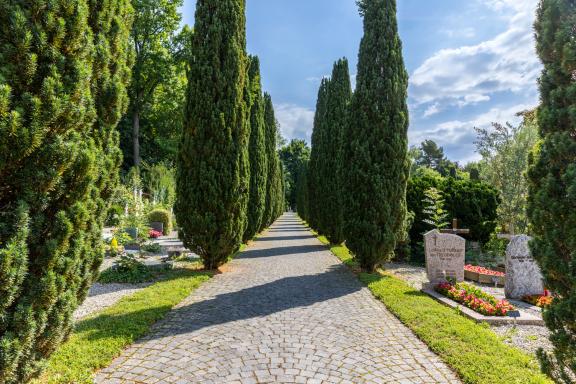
(552, 179)
(376, 166)
(314, 166)
(274, 182)
(63, 83)
(213, 169)
(330, 185)
(302, 201)
(257, 153)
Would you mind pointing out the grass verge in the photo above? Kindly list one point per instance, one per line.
(98, 339)
(473, 351)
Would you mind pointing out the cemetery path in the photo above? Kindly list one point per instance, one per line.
(285, 311)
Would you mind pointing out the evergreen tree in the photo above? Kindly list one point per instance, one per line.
(273, 185)
(257, 153)
(552, 188)
(376, 162)
(63, 80)
(314, 167)
(302, 200)
(293, 156)
(331, 208)
(213, 168)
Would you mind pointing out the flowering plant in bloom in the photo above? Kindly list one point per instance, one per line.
(541, 301)
(474, 299)
(153, 234)
(482, 270)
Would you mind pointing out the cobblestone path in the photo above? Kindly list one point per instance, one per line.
(286, 311)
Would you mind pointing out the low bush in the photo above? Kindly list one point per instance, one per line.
(163, 216)
(127, 269)
(475, 299)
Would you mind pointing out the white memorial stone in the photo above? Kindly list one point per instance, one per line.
(523, 276)
(444, 256)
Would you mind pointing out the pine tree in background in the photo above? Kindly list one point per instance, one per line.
(257, 153)
(315, 177)
(213, 167)
(62, 91)
(553, 182)
(376, 165)
(330, 185)
(274, 181)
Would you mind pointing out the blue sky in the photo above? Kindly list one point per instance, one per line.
(470, 62)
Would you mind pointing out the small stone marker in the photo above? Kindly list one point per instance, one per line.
(523, 276)
(444, 256)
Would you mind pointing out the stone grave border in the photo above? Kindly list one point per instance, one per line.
(524, 319)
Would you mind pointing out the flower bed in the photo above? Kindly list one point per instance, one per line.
(475, 299)
(483, 275)
(153, 234)
(541, 301)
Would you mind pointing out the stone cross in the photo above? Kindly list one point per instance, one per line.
(444, 256)
(523, 276)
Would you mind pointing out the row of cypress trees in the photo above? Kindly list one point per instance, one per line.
(64, 69)
(356, 178)
(229, 178)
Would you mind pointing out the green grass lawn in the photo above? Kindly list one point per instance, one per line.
(473, 351)
(98, 339)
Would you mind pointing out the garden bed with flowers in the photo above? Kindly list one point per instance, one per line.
(484, 275)
(542, 301)
(474, 298)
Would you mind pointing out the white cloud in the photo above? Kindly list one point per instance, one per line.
(508, 62)
(431, 110)
(296, 122)
(464, 32)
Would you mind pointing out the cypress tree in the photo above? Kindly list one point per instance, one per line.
(62, 90)
(552, 177)
(314, 168)
(257, 153)
(302, 201)
(273, 184)
(376, 166)
(213, 168)
(331, 208)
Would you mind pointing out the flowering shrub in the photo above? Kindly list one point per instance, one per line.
(475, 299)
(541, 301)
(482, 270)
(154, 234)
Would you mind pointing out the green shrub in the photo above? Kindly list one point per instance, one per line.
(163, 216)
(127, 269)
(114, 215)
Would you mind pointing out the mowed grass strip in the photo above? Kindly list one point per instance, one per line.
(98, 339)
(472, 350)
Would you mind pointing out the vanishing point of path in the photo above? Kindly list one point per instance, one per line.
(285, 311)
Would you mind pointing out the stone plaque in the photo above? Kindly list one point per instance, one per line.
(523, 276)
(444, 256)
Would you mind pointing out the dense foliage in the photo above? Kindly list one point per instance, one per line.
(257, 153)
(63, 80)
(213, 176)
(377, 166)
(161, 216)
(552, 197)
(293, 156)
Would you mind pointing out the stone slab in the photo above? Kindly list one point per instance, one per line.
(445, 255)
(523, 275)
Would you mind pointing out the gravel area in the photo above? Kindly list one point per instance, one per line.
(102, 296)
(528, 338)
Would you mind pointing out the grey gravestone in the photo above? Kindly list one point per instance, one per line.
(444, 256)
(157, 226)
(523, 276)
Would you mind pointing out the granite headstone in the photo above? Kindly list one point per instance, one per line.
(523, 275)
(444, 256)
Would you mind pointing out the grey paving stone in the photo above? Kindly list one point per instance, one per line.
(287, 311)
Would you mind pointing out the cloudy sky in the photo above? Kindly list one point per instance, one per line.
(470, 62)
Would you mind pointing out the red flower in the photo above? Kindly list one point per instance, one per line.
(154, 234)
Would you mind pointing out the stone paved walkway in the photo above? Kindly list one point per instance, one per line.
(287, 311)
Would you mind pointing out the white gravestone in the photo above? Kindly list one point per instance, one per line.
(523, 276)
(444, 256)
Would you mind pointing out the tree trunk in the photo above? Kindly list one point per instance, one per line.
(136, 137)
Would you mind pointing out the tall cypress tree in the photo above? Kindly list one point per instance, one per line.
(63, 83)
(337, 104)
(257, 153)
(315, 177)
(552, 179)
(213, 168)
(273, 183)
(375, 162)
